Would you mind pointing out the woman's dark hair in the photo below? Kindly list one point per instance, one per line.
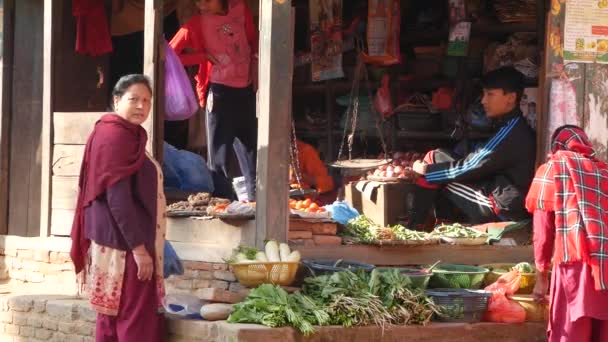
(127, 81)
(506, 78)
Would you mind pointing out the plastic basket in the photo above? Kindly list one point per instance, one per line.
(277, 273)
(458, 276)
(535, 312)
(460, 305)
(526, 284)
(322, 267)
(419, 279)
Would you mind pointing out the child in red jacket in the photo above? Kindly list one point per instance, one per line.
(223, 41)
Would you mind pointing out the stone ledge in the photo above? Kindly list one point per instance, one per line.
(183, 330)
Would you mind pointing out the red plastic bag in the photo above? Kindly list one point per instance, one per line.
(500, 308)
(507, 284)
(382, 100)
(503, 310)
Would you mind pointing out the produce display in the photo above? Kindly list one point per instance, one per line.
(306, 205)
(362, 230)
(197, 202)
(343, 298)
(273, 252)
(277, 264)
(227, 209)
(399, 168)
(456, 230)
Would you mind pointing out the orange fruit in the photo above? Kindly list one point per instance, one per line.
(313, 205)
(307, 202)
(309, 210)
(299, 206)
(321, 210)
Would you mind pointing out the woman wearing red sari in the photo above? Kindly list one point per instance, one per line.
(569, 200)
(119, 229)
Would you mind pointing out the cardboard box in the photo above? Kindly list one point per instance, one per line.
(383, 203)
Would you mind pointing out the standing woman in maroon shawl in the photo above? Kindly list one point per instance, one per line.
(119, 227)
(569, 200)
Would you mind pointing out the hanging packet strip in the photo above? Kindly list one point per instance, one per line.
(383, 31)
(326, 39)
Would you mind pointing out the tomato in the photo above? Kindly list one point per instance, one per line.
(314, 205)
(307, 203)
(309, 210)
(299, 206)
(321, 210)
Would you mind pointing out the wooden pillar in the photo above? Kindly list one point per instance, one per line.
(154, 57)
(46, 139)
(6, 79)
(274, 119)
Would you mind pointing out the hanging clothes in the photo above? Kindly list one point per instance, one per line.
(92, 31)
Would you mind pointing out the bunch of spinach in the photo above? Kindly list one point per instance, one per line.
(272, 306)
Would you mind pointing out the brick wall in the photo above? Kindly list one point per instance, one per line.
(48, 271)
(201, 275)
(46, 318)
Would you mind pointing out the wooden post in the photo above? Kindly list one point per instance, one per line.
(274, 119)
(46, 139)
(154, 69)
(6, 79)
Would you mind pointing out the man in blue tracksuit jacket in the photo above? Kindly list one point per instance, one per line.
(490, 183)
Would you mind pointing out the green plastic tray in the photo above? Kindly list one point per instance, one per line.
(458, 276)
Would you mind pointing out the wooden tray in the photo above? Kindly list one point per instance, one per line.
(465, 241)
(432, 241)
(363, 164)
(185, 213)
(389, 179)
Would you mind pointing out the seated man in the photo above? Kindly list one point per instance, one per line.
(313, 172)
(490, 183)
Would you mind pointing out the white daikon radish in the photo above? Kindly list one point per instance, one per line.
(272, 251)
(294, 257)
(240, 257)
(261, 256)
(284, 251)
(216, 312)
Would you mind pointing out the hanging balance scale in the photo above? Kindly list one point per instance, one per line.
(348, 138)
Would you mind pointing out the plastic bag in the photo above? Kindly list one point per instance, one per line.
(171, 263)
(341, 212)
(382, 100)
(500, 308)
(507, 284)
(186, 171)
(503, 310)
(180, 100)
(183, 305)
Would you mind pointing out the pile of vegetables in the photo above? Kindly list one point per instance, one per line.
(343, 298)
(306, 205)
(272, 306)
(524, 267)
(456, 230)
(363, 230)
(273, 252)
(400, 167)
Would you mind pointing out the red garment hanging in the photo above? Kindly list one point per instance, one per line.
(92, 31)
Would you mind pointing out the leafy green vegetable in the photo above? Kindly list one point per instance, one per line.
(248, 251)
(403, 233)
(272, 306)
(361, 229)
(456, 230)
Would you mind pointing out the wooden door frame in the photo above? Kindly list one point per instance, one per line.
(154, 58)
(6, 77)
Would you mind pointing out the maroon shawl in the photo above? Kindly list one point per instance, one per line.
(115, 150)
